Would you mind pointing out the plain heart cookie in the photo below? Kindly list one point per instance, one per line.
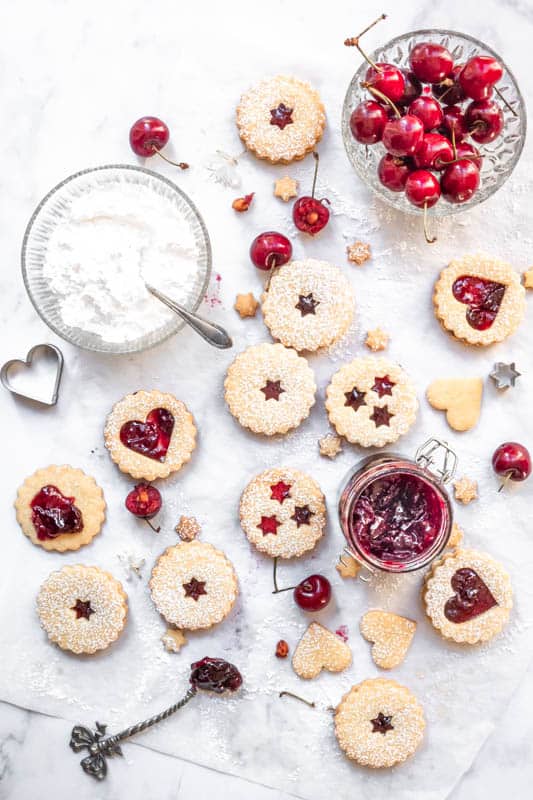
(391, 636)
(320, 649)
(460, 398)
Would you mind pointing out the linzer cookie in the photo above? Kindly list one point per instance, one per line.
(60, 508)
(320, 649)
(193, 585)
(479, 299)
(309, 304)
(371, 402)
(281, 119)
(468, 596)
(283, 512)
(379, 723)
(391, 636)
(269, 389)
(82, 609)
(150, 434)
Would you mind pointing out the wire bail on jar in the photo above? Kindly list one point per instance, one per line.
(446, 463)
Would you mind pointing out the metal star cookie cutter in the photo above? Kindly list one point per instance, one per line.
(504, 375)
(47, 400)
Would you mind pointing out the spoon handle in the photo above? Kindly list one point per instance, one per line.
(214, 334)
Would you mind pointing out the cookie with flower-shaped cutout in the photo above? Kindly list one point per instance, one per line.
(479, 299)
(82, 609)
(269, 389)
(283, 512)
(193, 585)
(60, 508)
(371, 401)
(308, 304)
(149, 435)
(379, 723)
(281, 119)
(468, 596)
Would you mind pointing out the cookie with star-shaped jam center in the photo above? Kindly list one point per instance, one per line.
(281, 119)
(468, 596)
(193, 585)
(309, 304)
(269, 389)
(371, 401)
(283, 512)
(379, 723)
(479, 299)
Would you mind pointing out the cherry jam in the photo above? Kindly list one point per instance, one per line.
(394, 513)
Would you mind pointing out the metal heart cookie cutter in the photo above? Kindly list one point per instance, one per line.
(45, 399)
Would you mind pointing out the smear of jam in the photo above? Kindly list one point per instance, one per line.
(281, 116)
(150, 438)
(54, 514)
(215, 675)
(482, 297)
(472, 596)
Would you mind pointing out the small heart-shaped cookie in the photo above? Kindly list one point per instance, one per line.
(460, 398)
(320, 649)
(390, 634)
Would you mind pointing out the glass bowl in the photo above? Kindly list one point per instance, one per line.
(54, 210)
(501, 155)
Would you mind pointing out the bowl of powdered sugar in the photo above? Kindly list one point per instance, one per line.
(96, 239)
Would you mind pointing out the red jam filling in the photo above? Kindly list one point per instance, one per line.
(281, 116)
(54, 514)
(150, 438)
(306, 304)
(83, 609)
(482, 297)
(280, 491)
(302, 515)
(382, 723)
(272, 390)
(269, 525)
(383, 386)
(381, 416)
(194, 589)
(472, 597)
(355, 399)
(397, 518)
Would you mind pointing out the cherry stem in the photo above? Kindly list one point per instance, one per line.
(449, 85)
(354, 42)
(317, 158)
(309, 703)
(454, 146)
(466, 157)
(508, 477)
(429, 239)
(180, 164)
(505, 102)
(155, 530)
(277, 590)
(377, 93)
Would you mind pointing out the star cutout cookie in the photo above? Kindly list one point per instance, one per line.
(330, 445)
(246, 305)
(285, 188)
(377, 339)
(465, 490)
(188, 528)
(347, 566)
(358, 253)
(527, 279)
(173, 640)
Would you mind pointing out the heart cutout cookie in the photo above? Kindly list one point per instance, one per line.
(15, 374)
(320, 649)
(460, 398)
(391, 636)
(150, 438)
(472, 596)
(482, 297)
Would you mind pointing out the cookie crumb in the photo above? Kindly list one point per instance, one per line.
(358, 253)
(527, 279)
(282, 649)
(456, 536)
(246, 305)
(330, 445)
(347, 566)
(243, 203)
(465, 490)
(377, 339)
(188, 528)
(173, 640)
(285, 188)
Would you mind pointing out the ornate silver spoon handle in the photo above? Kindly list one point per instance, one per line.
(214, 334)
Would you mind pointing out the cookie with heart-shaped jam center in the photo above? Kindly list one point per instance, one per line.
(460, 398)
(468, 596)
(150, 434)
(391, 636)
(320, 649)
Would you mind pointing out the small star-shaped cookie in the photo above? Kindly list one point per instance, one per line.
(188, 528)
(527, 279)
(330, 445)
(465, 490)
(173, 640)
(347, 566)
(286, 188)
(377, 339)
(358, 253)
(246, 305)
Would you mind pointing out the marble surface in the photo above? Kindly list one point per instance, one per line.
(78, 79)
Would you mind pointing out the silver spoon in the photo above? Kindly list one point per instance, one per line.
(214, 334)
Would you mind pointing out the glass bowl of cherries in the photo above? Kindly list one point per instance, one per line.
(433, 122)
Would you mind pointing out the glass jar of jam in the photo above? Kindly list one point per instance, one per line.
(395, 512)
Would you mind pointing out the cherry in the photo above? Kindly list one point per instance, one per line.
(313, 593)
(485, 120)
(467, 150)
(144, 502)
(460, 181)
(449, 90)
(428, 111)
(413, 88)
(367, 122)
(454, 123)
(270, 249)
(433, 152)
(402, 135)
(512, 462)
(393, 172)
(309, 214)
(148, 136)
(430, 62)
(387, 79)
(422, 188)
(479, 75)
